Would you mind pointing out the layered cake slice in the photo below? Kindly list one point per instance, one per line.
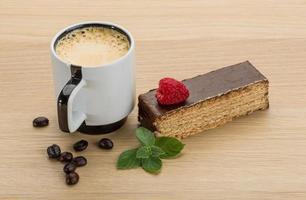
(215, 98)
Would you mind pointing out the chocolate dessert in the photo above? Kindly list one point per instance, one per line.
(215, 98)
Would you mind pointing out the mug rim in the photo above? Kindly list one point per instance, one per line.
(75, 26)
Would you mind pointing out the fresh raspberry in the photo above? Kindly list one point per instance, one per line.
(171, 92)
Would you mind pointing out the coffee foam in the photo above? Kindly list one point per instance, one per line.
(92, 46)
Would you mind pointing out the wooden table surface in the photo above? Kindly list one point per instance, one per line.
(262, 156)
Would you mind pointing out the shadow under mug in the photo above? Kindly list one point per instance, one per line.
(94, 100)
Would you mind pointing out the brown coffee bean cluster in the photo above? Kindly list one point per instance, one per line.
(71, 163)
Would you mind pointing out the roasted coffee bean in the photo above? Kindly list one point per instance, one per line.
(65, 157)
(79, 161)
(72, 178)
(54, 151)
(106, 143)
(40, 122)
(80, 145)
(69, 167)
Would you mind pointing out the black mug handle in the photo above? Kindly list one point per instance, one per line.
(69, 120)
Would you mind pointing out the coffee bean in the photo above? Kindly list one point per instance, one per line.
(72, 178)
(79, 161)
(40, 122)
(65, 157)
(80, 145)
(54, 151)
(69, 167)
(106, 143)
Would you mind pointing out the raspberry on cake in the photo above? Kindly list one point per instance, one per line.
(171, 92)
(214, 99)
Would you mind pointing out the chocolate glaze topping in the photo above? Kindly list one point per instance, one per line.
(201, 88)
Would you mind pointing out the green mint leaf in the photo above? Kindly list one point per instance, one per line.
(144, 152)
(128, 160)
(171, 146)
(156, 151)
(145, 136)
(152, 164)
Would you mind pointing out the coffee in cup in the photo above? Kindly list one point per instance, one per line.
(92, 46)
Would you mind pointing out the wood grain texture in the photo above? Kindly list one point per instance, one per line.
(262, 156)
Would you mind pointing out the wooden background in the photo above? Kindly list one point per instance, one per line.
(262, 156)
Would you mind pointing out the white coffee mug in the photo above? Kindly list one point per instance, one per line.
(94, 99)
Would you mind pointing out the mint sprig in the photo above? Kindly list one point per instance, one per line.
(149, 154)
